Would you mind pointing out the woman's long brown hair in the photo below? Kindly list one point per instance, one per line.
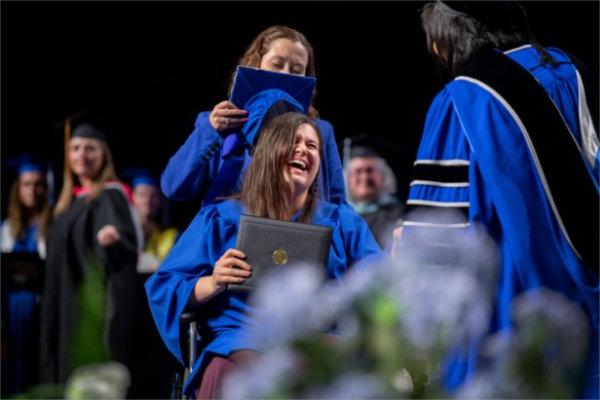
(20, 218)
(106, 173)
(264, 190)
(261, 45)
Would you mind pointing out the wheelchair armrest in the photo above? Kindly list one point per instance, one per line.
(187, 317)
(188, 322)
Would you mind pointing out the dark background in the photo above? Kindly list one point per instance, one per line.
(150, 67)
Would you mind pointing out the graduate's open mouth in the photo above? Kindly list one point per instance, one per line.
(298, 164)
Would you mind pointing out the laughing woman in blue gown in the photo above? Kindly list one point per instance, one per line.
(281, 183)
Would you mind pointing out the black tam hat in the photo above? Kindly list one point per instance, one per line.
(87, 130)
(85, 125)
(367, 145)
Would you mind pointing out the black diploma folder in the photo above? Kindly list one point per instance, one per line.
(270, 244)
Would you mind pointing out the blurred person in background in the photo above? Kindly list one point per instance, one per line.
(91, 289)
(23, 245)
(28, 210)
(149, 205)
(371, 186)
(153, 369)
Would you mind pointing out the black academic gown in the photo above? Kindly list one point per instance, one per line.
(383, 222)
(84, 277)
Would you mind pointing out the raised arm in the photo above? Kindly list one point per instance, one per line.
(191, 169)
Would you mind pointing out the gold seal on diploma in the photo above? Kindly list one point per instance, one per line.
(280, 257)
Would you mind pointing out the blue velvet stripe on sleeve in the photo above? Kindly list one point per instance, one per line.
(520, 204)
(468, 125)
(440, 172)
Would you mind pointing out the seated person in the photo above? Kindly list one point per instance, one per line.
(371, 191)
(280, 183)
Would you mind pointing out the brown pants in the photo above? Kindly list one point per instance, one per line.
(217, 370)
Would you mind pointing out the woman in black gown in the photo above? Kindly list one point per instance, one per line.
(91, 288)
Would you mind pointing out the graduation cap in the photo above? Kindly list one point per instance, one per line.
(31, 163)
(85, 124)
(27, 163)
(367, 145)
(87, 130)
(250, 81)
(264, 106)
(496, 15)
(140, 176)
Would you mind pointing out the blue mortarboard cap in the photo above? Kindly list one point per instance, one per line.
(264, 106)
(144, 180)
(250, 81)
(140, 176)
(26, 163)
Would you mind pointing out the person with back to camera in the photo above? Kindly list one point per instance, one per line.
(92, 254)
(281, 183)
(193, 169)
(510, 144)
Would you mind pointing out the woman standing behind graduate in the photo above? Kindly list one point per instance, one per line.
(193, 168)
(90, 289)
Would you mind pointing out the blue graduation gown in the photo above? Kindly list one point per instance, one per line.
(210, 234)
(22, 309)
(29, 244)
(193, 168)
(469, 133)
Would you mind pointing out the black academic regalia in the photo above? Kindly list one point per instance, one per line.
(75, 259)
(383, 222)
